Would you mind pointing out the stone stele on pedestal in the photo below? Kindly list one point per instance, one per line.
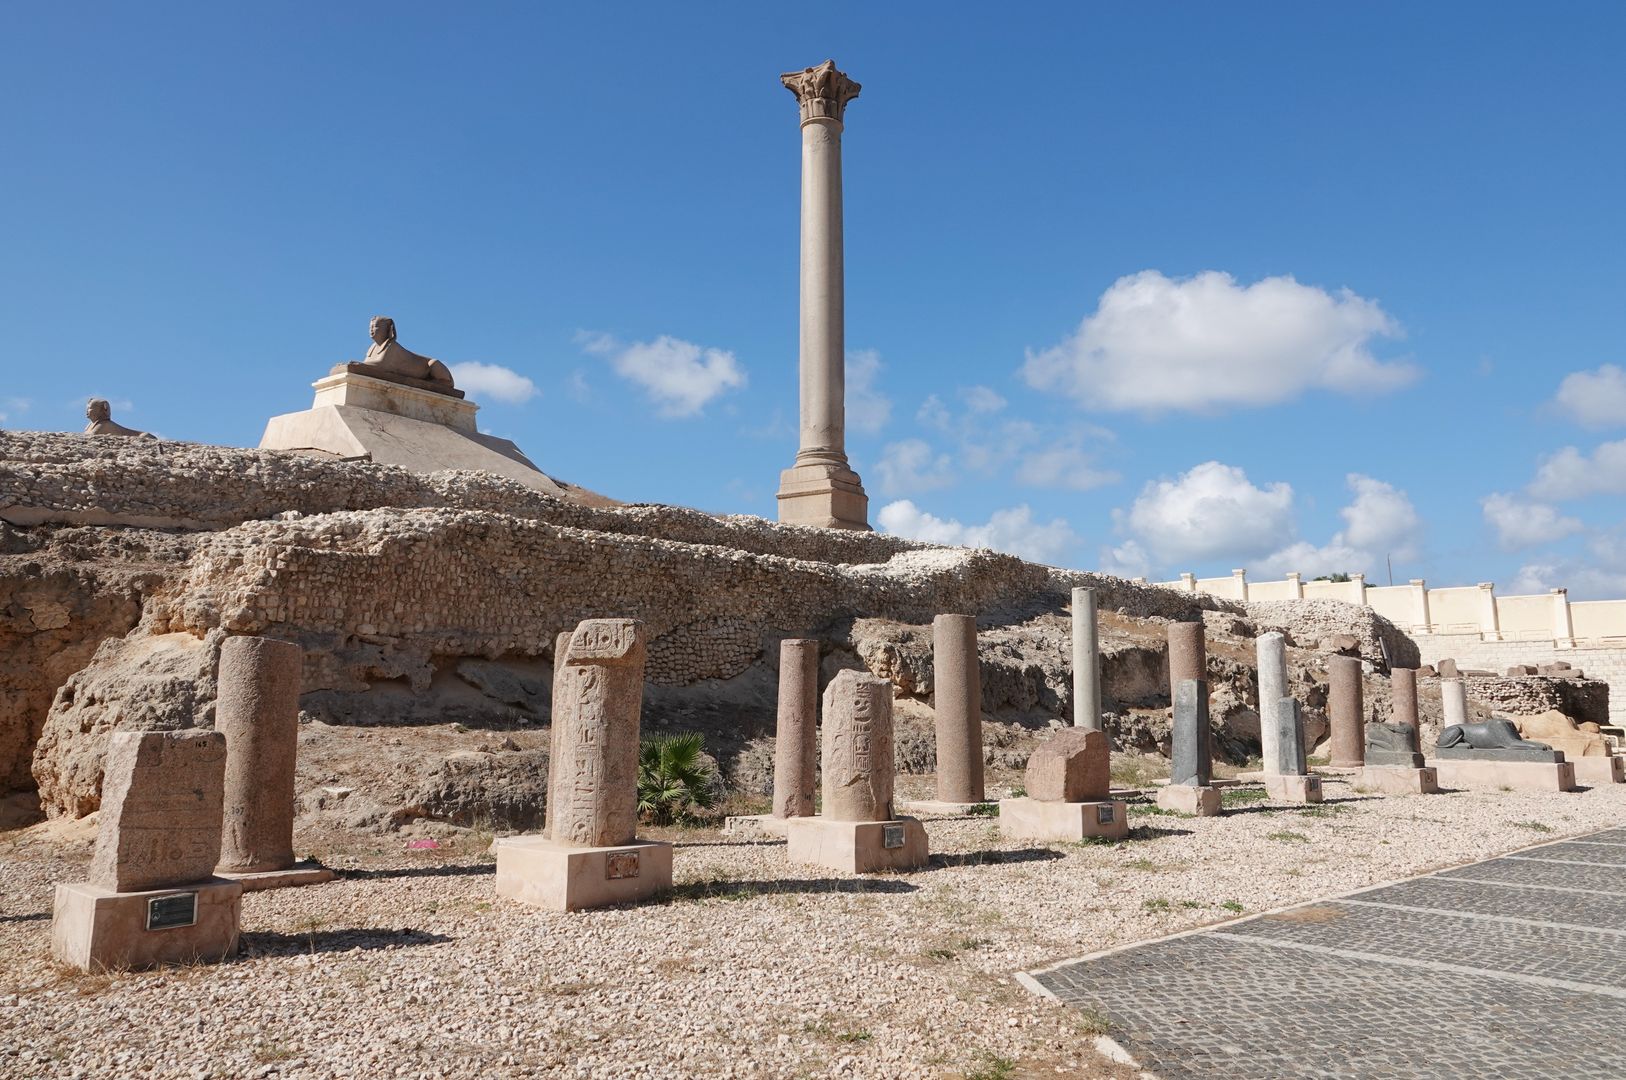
(857, 832)
(1292, 782)
(590, 855)
(151, 898)
(1068, 781)
(257, 710)
(1189, 790)
(1392, 766)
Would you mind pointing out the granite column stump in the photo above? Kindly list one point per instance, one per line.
(1293, 782)
(1190, 790)
(1403, 696)
(796, 737)
(957, 705)
(1346, 712)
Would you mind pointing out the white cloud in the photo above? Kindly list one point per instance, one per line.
(493, 381)
(1570, 474)
(1381, 520)
(1063, 464)
(1209, 512)
(1012, 530)
(1205, 342)
(12, 408)
(1127, 560)
(912, 466)
(982, 399)
(868, 409)
(934, 414)
(1595, 398)
(1521, 524)
(682, 378)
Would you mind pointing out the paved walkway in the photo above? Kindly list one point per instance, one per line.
(1513, 967)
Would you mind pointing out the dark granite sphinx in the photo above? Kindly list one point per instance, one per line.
(1392, 744)
(1492, 740)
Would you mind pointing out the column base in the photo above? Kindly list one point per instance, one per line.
(1600, 770)
(1190, 799)
(1398, 780)
(758, 824)
(823, 496)
(300, 873)
(858, 847)
(1285, 788)
(97, 929)
(569, 877)
(1033, 819)
(1526, 775)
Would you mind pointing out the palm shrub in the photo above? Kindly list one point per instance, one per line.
(673, 778)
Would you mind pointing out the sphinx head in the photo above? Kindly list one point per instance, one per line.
(381, 329)
(97, 409)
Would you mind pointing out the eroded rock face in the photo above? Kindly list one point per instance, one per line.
(504, 792)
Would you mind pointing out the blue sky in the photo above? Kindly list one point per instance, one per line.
(1142, 287)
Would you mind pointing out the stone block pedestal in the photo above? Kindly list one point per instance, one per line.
(301, 873)
(858, 847)
(1600, 770)
(96, 929)
(939, 808)
(824, 496)
(1201, 801)
(1397, 780)
(755, 824)
(569, 877)
(1523, 775)
(1293, 789)
(1033, 819)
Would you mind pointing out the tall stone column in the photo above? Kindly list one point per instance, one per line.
(1086, 662)
(1188, 653)
(1346, 711)
(1272, 659)
(821, 489)
(957, 700)
(257, 710)
(796, 739)
(1403, 698)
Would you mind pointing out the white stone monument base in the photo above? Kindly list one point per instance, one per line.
(569, 877)
(1190, 799)
(1398, 780)
(1281, 787)
(1495, 775)
(748, 824)
(303, 873)
(1600, 770)
(858, 847)
(939, 808)
(97, 929)
(1033, 819)
(824, 496)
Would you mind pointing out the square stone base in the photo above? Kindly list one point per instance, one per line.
(1398, 780)
(304, 873)
(858, 847)
(824, 496)
(744, 825)
(1524, 775)
(1031, 819)
(1293, 789)
(569, 877)
(1600, 770)
(938, 808)
(1190, 799)
(97, 929)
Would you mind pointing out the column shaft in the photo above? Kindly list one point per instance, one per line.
(957, 700)
(1086, 662)
(796, 737)
(257, 710)
(823, 311)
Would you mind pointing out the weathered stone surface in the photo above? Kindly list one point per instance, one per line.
(1193, 763)
(796, 736)
(257, 710)
(1086, 661)
(1346, 710)
(1074, 765)
(1188, 653)
(1271, 651)
(1447, 669)
(1392, 744)
(1561, 733)
(1290, 746)
(1403, 703)
(957, 701)
(857, 763)
(1453, 702)
(162, 807)
(503, 792)
(597, 740)
(1491, 740)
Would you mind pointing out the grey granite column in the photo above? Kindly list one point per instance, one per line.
(1193, 763)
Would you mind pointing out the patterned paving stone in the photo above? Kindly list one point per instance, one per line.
(1573, 852)
(1547, 905)
(1531, 872)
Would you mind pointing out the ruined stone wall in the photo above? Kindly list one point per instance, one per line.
(1582, 700)
(1471, 651)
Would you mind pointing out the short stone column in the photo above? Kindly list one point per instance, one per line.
(1190, 789)
(1086, 662)
(257, 710)
(1454, 702)
(796, 735)
(1292, 781)
(1271, 650)
(1069, 792)
(590, 855)
(1403, 703)
(957, 701)
(1188, 653)
(1346, 711)
(858, 831)
(151, 897)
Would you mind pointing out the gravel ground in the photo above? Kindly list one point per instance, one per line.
(410, 966)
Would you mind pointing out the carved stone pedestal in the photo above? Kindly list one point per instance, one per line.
(1523, 775)
(824, 496)
(1201, 801)
(1033, 819)
(1293, 789)
(1600, 770)
(1397, 780)
(858, 847)
(569, 877)
(96, 929)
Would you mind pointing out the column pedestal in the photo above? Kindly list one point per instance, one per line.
(1285, 788)
(858, 847)
(568, 877)
(1033, 819)
(823, 496)
(96, 929)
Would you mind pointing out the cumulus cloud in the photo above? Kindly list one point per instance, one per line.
(1571, 474)
(1595, 399)
(493, 381)
(1064, 464)
(868, 409)
(912, 466)
(1127, 560)
(1209, 512)
(1520, 524)
(1206, 342)
(680, 377)
(1380, 520)
(982, 399)
(1013, 530)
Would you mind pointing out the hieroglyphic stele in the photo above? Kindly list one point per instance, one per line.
(858, 748)
(595, 779)
(163, 800)
(822, 90)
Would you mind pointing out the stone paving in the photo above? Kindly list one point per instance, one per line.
(1512, 967)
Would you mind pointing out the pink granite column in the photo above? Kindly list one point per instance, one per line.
(1346, 711)
(257, 710)
(796, 737)
(957, 700)
(1403, 696)
(1188, 653)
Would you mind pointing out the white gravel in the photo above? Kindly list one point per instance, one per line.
(754, 969)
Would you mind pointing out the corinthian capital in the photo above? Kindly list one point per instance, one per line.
(822, 91)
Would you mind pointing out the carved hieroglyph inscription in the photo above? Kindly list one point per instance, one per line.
(596, 735)
(858, 748)
(163, 795)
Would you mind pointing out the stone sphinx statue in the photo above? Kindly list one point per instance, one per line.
(1392, 744)
(1495, 739)
(390, 357)
(100, 415)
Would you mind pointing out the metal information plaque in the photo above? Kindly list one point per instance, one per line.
(623, 864)
(891, 836)
(168, 912)
(1315, 783)
(1104, 813)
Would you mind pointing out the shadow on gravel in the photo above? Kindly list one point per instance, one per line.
(984, 858)
(745, 890)
(272, 943)
(769, 842)
(1152, 832)
(32, 916)
(444, 870)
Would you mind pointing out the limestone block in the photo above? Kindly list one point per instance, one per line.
(162, 807)
(1074, 765)
(94, 928)
(857, 847)
(1495, 775)
(1600, 770)
(1291, 788)
(558, 876)
(1033, 819)
(1199, 801)
(1397, 780)
(1561, 733)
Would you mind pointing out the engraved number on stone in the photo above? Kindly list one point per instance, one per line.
(621, 865)
(168, 912)
(891, 836)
